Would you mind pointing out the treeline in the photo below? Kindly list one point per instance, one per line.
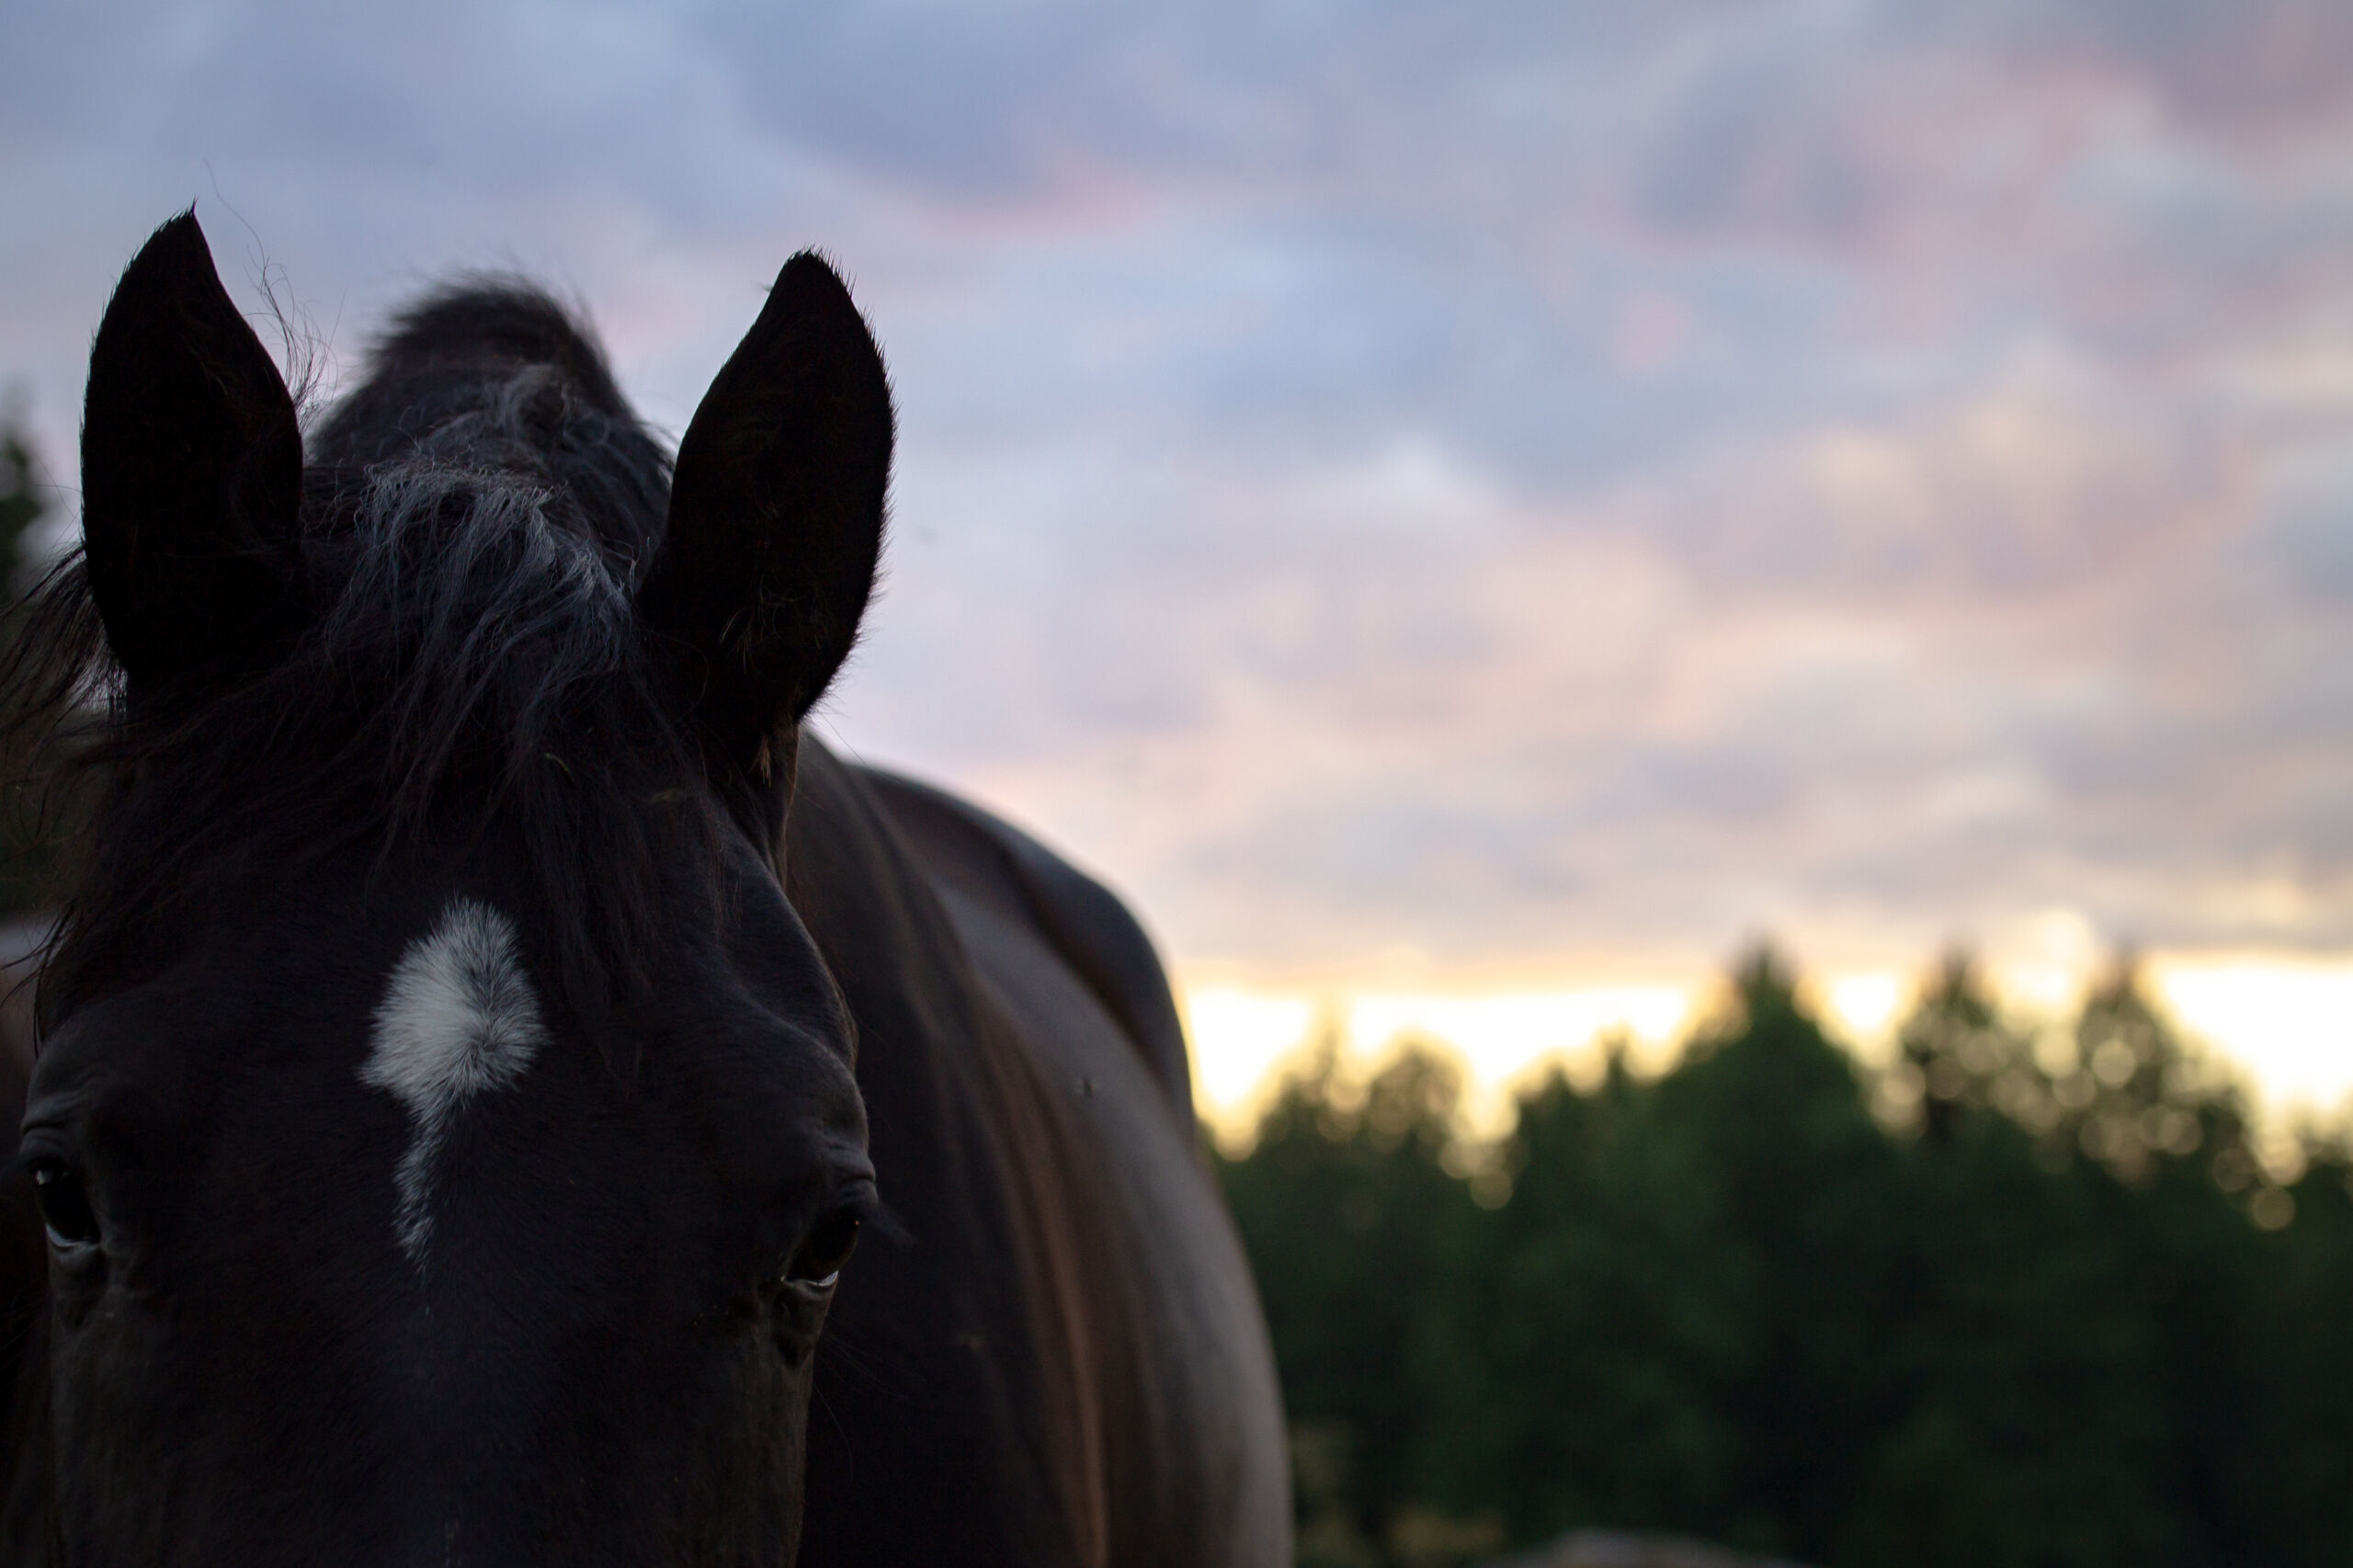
(31, 813)
(2016, 1300)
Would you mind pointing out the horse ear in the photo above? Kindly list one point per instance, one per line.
(191, 473)
(776, 516)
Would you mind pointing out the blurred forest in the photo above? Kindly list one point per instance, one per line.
(2015, 1301)
(25, 843)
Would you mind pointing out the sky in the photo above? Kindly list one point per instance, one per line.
(1444, 504)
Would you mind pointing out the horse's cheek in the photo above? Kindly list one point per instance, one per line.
(750, 1486)
(116, 1460)
(798, 1319)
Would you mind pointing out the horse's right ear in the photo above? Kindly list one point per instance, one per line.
(191, 473)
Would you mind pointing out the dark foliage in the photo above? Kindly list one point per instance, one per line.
(2014, 1302)
(27, 832)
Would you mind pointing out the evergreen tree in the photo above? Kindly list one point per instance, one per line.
(2058, 1316)
(1593, 1349)
(1353, 1226)
(26, 822)
(22, 502)
(1961, 1059)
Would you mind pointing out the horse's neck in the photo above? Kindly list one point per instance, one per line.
(976, 1319)
(868, 901)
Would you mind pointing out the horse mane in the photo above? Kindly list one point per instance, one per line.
(474, 520)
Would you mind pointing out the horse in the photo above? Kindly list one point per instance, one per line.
(508, 1093)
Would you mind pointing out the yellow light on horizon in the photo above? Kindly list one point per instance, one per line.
(1239, 1038)
(1865, 1008)
(2286, 1024)
(1244, 1039)
(1505, 1039)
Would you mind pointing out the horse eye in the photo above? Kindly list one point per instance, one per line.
(65, 1205)
(828, 1247)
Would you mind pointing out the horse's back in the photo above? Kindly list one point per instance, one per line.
(1145, 1393)
(1025, 886)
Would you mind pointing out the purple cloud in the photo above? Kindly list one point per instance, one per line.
(1505, 480)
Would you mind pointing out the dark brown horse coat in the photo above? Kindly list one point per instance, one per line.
(1061, 1359)
(1053, 1356)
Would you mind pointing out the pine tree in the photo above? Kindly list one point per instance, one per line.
(26, 808)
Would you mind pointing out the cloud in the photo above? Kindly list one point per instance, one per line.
(1498, 479)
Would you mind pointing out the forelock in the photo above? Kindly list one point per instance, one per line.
(475, 517)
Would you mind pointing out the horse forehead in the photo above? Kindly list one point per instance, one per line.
(459, 1014)
(459, 1017)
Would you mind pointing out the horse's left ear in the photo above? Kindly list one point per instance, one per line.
(191, 474)
(776, 516)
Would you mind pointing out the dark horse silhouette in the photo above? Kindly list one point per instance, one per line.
(485, 1020)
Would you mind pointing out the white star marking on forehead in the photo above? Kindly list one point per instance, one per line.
(458, 1018)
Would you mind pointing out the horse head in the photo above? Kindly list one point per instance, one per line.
(445, 1128)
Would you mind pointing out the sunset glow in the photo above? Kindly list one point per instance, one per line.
(2283, 1027)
